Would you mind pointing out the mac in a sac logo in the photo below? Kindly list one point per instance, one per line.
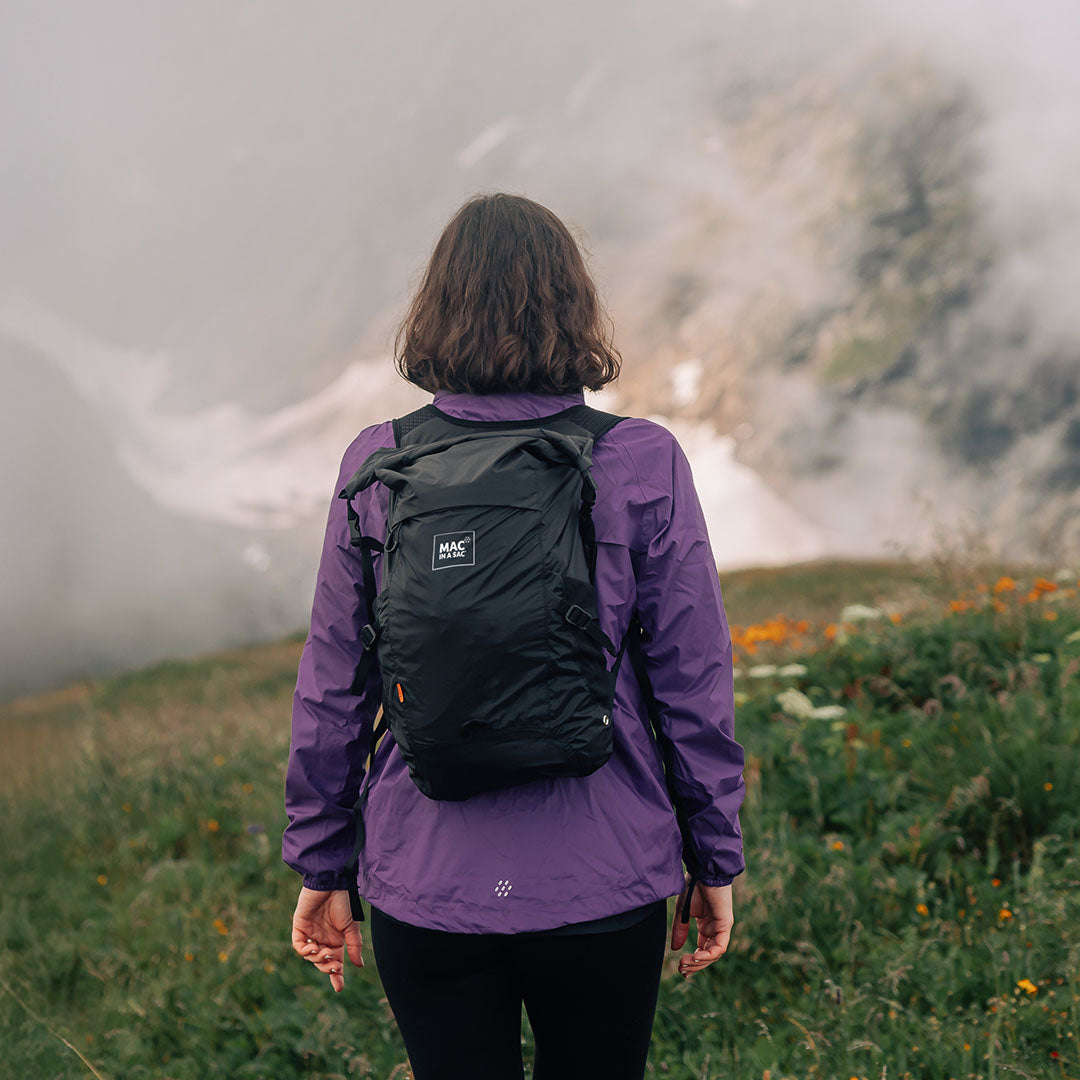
(454, 549)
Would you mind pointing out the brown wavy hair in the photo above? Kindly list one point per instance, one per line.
(506, 303)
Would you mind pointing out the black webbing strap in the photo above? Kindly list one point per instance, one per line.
(377, 731)
(369, 633)
(637, 661)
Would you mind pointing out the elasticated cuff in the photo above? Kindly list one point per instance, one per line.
(327, 880)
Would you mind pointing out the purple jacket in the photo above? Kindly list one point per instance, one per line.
(549, 852)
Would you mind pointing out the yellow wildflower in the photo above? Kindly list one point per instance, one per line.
(219, 760)
(922, 909)
(1028, 986)
(1004, 914)
(223, 956)
(102, 879)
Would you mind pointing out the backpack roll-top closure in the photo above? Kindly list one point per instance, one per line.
(389, 464)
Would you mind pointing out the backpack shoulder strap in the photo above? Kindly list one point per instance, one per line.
(404, 424)
(596, 422)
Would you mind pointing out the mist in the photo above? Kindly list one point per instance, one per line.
(212, 218)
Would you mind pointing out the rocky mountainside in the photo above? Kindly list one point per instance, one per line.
(844, 323)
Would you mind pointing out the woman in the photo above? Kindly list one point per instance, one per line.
(551, 893)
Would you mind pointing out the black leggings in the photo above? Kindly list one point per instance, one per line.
(590, 998)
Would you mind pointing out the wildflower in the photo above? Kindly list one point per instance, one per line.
(102, 879)
(189, 957)
(126, 808)
(838, 845)
(922, 909)
(223, 956)
(212, 826)
(853, 612)
(996, 882)
(792, 669)
(1048, 786)
(247, 789)
(1028, 986)
(830, 631)
(1073, 637)
(760, 671)
(1064, 574)
(1051, 615)
(1041, 657)
(895, 617)
(1004, 914)
(1042, 585)
(905, 742)
(220, 927)
(828, 712)
(967, 1046)
(269, 967)
(795, 703)
(219, 760)
(959, 605)
(1005, 584)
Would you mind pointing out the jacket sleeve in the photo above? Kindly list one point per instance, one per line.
(331, 727)
(687, 654)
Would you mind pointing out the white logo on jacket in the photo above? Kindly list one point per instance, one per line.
(503, 888)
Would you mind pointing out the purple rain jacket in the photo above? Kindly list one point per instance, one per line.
(553, 851)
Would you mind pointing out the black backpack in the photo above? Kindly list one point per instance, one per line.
(486, 629)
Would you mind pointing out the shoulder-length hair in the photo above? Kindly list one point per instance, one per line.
(506, 303)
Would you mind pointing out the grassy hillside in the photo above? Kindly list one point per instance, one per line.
(911, 906)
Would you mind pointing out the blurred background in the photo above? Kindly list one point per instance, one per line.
(838, 242)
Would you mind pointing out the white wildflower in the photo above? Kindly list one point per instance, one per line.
(828, 712)
(759, 671)
(854, 612)
(795, 703)
(792, 669)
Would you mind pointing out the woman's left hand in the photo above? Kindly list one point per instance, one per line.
(322, 930)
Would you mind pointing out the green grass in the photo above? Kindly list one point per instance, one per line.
(144, 908)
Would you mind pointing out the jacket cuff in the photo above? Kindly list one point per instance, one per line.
(715, 881)
(328, 880)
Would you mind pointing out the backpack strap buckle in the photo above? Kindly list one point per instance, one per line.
(578, 616)
(369, 635)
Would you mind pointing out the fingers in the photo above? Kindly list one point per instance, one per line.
(679, 929)
(709, 950)
(354, 943)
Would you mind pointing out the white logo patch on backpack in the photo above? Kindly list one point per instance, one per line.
(453, 549)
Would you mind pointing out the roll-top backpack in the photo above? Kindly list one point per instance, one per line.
(493, 664)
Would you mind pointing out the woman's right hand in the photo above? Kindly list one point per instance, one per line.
(711, 907)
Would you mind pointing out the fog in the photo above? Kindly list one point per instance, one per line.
(212, 217)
